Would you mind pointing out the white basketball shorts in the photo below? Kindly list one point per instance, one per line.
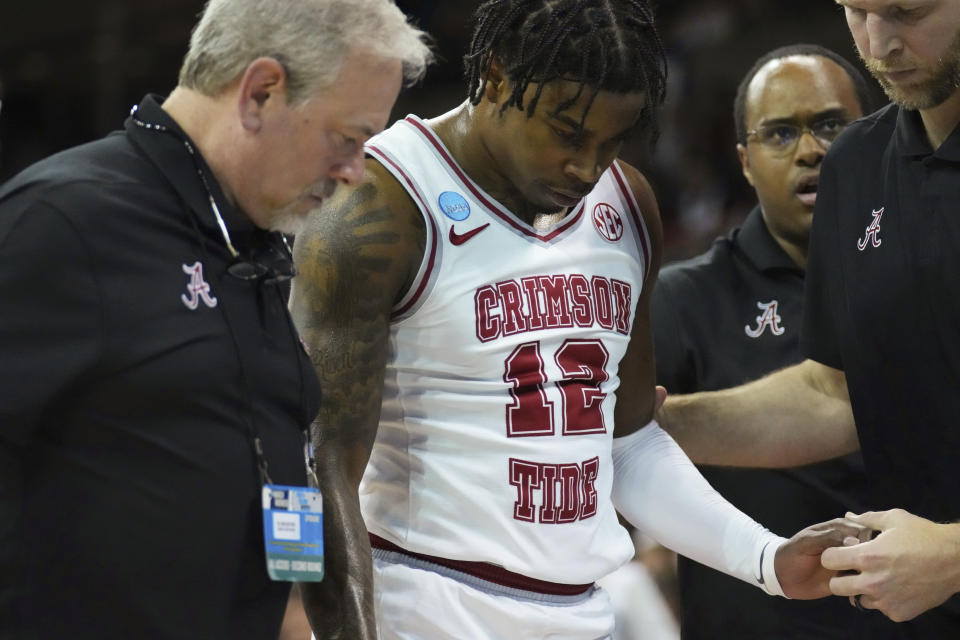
(417, 600)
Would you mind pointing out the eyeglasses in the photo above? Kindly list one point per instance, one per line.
(782, 138)
(271, 266)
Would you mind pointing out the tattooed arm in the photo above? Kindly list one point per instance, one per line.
(356, 258)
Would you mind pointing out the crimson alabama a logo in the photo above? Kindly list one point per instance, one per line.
(769, 318)
(872, 237)
(198, 288)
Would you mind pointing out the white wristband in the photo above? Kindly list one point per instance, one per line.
(661, 492)
(770, 583)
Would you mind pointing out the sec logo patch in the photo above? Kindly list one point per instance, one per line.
(608, 222)
(454, 205)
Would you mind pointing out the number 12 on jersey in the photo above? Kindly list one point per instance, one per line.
(531, 413)
(567, 492)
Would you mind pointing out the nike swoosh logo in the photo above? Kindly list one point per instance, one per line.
(763, 551)
(460, 238)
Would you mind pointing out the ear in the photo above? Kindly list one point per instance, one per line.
(496, 82)
(263, 86)
(745, 163)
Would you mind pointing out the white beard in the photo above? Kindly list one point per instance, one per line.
(288, 222)
(291, 222)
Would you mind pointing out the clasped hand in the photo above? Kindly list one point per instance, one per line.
(910, 566)
(798, 565)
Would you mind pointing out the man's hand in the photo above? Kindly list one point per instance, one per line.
(797, 563)
(912, 566)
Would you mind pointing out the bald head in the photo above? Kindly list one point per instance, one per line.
(793, 108)
(787, 87)
(861, 88)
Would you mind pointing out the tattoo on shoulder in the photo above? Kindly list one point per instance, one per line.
(352, 260)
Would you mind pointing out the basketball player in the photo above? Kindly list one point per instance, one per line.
(472, 308)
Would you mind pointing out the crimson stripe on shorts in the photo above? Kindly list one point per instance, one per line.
(426, 213)
(488, 572)
(637, 218)
(492, 206)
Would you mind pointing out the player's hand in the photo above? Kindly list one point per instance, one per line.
(797, 563)
(913, 564)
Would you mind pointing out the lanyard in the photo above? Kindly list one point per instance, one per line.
(312, 481)
(252, 433)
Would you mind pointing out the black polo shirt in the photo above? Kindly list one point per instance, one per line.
(129, 493)
(721, 319)
(883, 305)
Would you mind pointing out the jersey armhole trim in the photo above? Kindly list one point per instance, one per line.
(427, 266)
(640, 227)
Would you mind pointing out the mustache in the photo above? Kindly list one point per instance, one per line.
(323, 189)
(881, 65)
(876, 67)
(580, 189)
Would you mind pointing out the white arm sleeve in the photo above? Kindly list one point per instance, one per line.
(658, 490)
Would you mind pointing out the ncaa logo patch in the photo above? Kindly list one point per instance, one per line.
(608, 222)
(454, 205)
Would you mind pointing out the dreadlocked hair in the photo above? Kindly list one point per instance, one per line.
(604, 45)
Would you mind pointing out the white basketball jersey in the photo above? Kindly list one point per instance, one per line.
(495, 435)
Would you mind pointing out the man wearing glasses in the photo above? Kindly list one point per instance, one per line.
(733, 314)
(880, 328)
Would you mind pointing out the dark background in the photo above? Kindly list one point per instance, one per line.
(70, 71)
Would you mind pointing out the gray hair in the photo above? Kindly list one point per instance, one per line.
(310, 38)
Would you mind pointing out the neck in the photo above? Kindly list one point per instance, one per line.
(462, 131)
(200, 118)
(940, 121)
(796, 252)
(795, 249)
